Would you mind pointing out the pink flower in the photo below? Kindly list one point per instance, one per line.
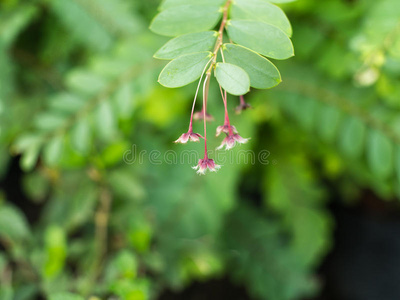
(228, 129)
(230, 141)
(204, 164)
(242, 106)
(189, 136)
(199, 115)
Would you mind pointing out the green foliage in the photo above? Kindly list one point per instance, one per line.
(262, 11)
(276, 44)
(256, 24)
(186, 44)
(232, 78)
(256, 242)
(293, 193)
(263, 74)
(13, 225)
(65, 296)
(184, 70)
(185, 19)
(112, 207)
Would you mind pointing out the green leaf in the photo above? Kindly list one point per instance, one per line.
(65, 296)
(186, 44)
(328, 121)
(49, 121)
(173, 3)
(184, 70)
(85, 82)
(13, 23)
(80, 136)
(263, 38)
(280, 1)
(232, 78)
(6, 293)
(123, 101)
(185, 19)
(36, 186)
(81, 206)
(126, 184)
(13, 224)
(30, 157)
(124, 265)
(68, 12)
(380, 154)
(56, 250)
(105, 121)
(53, 150)
(66, 103)
(259, 10)
(259, 253)
(352, 137)
(263, 74)
(140, 234)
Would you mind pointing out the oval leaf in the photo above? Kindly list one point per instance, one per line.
(262, 11)
(106, 121)
(352, 137)
(29, 158)
(13, 224)
(328, 122)
(263, 38)
(185, 19)
(124, 101)
(174, 3)
(53, 150)
(186, 44)
(263, 74)
(232, 78)
(380, 154)
(184, 70)
(80, 136)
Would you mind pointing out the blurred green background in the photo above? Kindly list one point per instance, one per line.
(96, 202)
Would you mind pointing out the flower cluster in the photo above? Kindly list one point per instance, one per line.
(232, 136)
(205, 164)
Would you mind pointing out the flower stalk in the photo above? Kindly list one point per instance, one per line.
(232, 136)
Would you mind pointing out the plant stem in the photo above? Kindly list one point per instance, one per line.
(222, 27)
(242, 102)
(205, 96)
(195, 97)
(213, 61)
(101, 235)
(220, 38)
(206, 85)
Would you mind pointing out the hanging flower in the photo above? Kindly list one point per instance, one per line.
(228, 129)
(189, 136)
(205, 164)
(230, 141)
(242, 106)
(199, 115)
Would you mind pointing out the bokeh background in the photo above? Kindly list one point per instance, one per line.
(96, 201)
